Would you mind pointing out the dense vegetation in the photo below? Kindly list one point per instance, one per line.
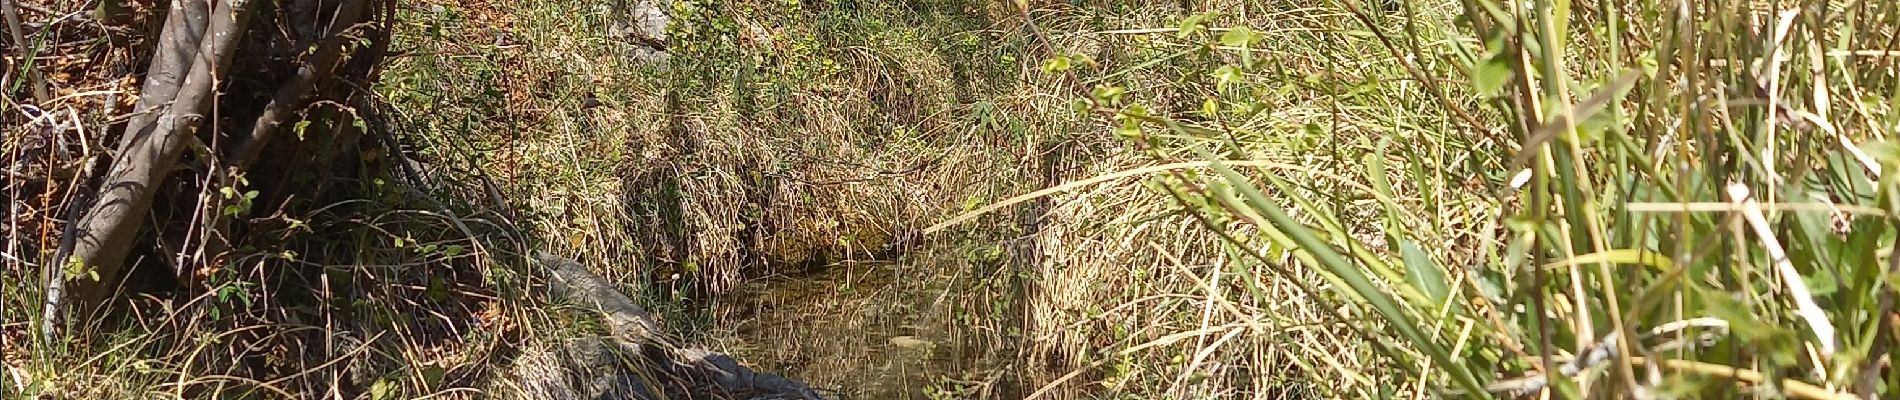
(1027, 199)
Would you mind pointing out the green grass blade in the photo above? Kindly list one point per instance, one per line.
(1332, 261)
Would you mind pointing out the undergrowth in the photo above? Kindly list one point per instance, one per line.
(1643, 199)
(1105, 199)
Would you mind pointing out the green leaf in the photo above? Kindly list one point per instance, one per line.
(383, 389)
(1080, 106)
(1057, 64)
(1423, 273)
(1191, 24)
(1352, 280)
(1886, 152)
(1108, 94)
(1823, 285)
(1490, 75)
(1129, 128)
(1240, 36)
(1776, 343)
(1227, 75)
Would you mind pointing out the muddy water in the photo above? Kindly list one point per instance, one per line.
(862, 329)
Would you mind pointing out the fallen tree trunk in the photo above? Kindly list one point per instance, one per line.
(637, 361)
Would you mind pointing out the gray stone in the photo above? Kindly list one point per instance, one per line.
(644, 27)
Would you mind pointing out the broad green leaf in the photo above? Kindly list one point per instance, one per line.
(1228, 75)
(1490, 75)
(1057, 64)
(1886, 152)
(1239, 36)
(432, 375)
(1423, 273)
(1191, 24)
(1108, 94)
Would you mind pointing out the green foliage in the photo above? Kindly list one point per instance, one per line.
(1618, 216)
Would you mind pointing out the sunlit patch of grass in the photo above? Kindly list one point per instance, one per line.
(1503, 205)
(766, 145)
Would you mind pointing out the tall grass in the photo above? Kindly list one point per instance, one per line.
(1250, 199)
(1641, 198)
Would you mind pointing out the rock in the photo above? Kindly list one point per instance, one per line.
(645, 26)
(911, 342)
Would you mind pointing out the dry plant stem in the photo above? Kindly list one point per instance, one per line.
(1594, 225)
(19, 40)
(1790, 277)
(1785, 22)
(1437, 91)
(1162, 341)
(965, 217)
(147, 158)
(1790, 387)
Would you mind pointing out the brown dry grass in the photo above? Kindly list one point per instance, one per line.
(830, 171)
(753, 186)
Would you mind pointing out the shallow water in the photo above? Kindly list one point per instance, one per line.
(861, 329)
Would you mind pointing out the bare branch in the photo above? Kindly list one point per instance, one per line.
(177, 44)
(290, 97)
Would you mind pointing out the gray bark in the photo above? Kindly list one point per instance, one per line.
(185, 22)
(149, 151)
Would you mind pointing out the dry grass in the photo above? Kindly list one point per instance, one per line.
(765, 189)
(779, 164)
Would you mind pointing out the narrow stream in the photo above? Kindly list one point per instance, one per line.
(859, 328)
